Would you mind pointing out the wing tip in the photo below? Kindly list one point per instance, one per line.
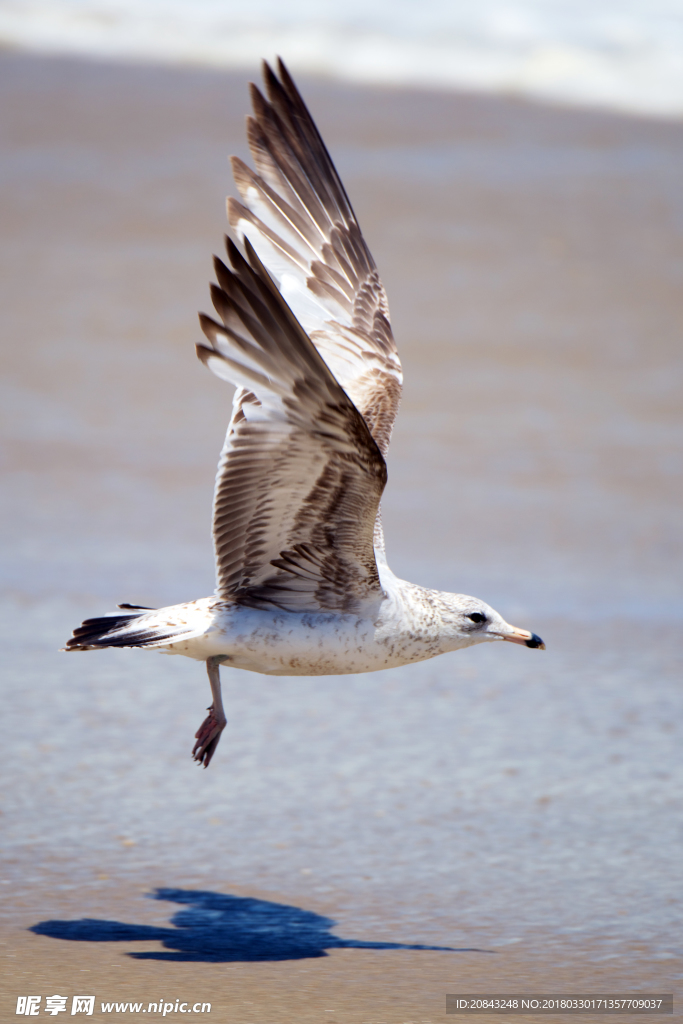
(210, 328)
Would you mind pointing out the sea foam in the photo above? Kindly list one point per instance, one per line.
(621, 55)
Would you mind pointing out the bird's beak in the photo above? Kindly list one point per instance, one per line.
(521, 636)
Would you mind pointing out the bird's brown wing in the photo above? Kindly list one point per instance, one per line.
(300, 477)
(296, 214)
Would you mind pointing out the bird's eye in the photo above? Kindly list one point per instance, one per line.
(477, 617)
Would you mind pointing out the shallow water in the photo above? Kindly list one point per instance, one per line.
(533, 261)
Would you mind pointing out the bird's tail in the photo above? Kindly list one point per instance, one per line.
(133, 626)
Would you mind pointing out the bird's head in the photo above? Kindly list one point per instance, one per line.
(477, 622)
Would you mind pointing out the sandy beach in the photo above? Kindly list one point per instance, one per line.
(520, 808)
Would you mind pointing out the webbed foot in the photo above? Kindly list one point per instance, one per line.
(208, 737)
(209, 733)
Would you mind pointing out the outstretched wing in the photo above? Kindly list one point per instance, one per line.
(300, 477)
(298, 218)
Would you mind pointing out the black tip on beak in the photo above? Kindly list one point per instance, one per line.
(535, 641)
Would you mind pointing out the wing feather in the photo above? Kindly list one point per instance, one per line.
(300, 477)
(296, 214)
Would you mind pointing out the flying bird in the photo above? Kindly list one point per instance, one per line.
(303, 333)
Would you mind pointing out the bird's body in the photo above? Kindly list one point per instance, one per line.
(303, 584)
(406, 624)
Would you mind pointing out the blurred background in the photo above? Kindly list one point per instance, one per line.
(517, 170)
(624, 55)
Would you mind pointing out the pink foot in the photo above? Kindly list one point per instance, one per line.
(207, 736)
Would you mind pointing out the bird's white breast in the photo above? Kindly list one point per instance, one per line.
(327, 643)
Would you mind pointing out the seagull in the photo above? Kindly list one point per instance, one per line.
(303, 333)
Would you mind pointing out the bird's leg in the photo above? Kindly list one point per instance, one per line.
(209, 732)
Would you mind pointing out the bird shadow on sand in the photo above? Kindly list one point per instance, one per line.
(218, 928)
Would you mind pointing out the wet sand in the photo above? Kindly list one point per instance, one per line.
(347, 985)
(522, 803)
